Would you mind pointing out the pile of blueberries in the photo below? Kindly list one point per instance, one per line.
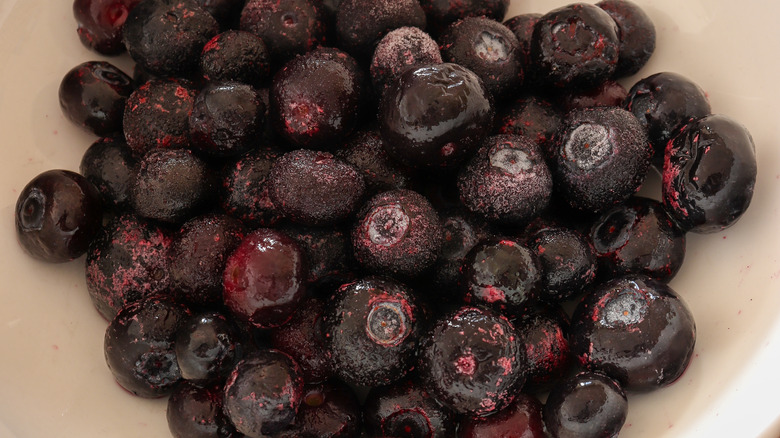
(365, 218)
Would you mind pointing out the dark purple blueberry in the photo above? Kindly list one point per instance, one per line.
(664, 103)
(315, 98)
(100, 23)
(157, 115)
(227, 119)
(531, 116)
(326, 251)
(709, 174)
(226, 12)
(637, 35)
(126, 261)
(288, 27)
(93, 95)
(244, 192)
(441, 13)
(167, 36)
(523, 28)
(507, 180)
(397, 232)
(360, 24)
(236, 55)
(199, 252)
(588, 405)
(400, 49)
(263, 393)
(460, 233)
(471, 361)
(265, 278)
(110, 166)
(575, 45)
(196, 412)
(607, 93)
(638, 237)
(405, 409)
(304, 340)
(328, 410)
(489, 49)
(58, 213)
(544, 337)
(315, 188)
(171, 185)
(435, 116)
(207, 347)
(601, 157)
(569, 263)
(636, 330)
(366, 151)
(521, 419)
(139, 346)
(503, 274)
(371, 329)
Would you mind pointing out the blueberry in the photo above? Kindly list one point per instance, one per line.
(360, 24)
(521, 419)
(196, 412)
(637, 35)
(236, 55)
(110, 165)
(400, 49)
(207, 347)
(100, 23)
(328, 410)
(405, 409)
(303, 339)
(709, 174)
(288, 27)
(93, 95)
(57, 215)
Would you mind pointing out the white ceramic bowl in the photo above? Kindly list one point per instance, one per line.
(53, 377)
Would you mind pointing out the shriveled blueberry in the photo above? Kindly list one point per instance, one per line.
(709, 174)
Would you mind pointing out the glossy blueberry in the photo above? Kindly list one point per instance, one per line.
(57, 215)
(709, 174)
(100, 23)
(139, 346)
(638, 237)
(405, 409)
(521, 419)
(207, 347)
(435, 116)
(265, 278)
(196, 412)
(588, 405)
(471, 361)
(664, 103)
(569, 263)
(636, 330)
(263, 393)
(110, 165)
(93, 95)
(637, 35)
(371, 330)
(503, 274)
(328, 410)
